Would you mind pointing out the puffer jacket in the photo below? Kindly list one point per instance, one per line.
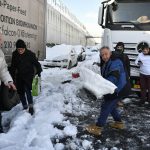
(4, 74)
(114, 71)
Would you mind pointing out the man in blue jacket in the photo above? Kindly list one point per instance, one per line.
(113, 70)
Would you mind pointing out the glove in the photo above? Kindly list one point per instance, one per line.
(140, 63)
(111, 96)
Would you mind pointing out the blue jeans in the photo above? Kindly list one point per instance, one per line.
(108, 107)
(26, 96)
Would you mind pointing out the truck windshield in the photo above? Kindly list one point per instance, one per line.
(136, 14)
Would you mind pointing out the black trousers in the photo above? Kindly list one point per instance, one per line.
(145, 86)
(24, 91)
(26, 97)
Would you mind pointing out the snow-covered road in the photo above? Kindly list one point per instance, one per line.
(61, 112)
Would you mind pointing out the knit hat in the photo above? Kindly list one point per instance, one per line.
(144, 45)
(119, 44)
(20, 44)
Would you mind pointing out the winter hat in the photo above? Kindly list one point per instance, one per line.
(119, 44)
(20, 44)
(144, 45)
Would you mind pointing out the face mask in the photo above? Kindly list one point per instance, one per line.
(120, 49)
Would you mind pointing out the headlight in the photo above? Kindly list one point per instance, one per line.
(65, 60)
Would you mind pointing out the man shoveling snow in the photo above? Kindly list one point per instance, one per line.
(113, 71)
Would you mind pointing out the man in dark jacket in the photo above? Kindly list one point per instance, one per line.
(22, 69)
(112, 70)
(119, 52)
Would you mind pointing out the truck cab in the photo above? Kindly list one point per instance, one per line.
(126, 21)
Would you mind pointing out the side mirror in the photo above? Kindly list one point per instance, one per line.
(101, 16)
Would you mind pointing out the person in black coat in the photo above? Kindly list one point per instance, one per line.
(119, 50)
(23, 66)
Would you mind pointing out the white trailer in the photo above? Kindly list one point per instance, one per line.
(126, 21)
(26, 20)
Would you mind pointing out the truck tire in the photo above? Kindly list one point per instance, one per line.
(10, 98)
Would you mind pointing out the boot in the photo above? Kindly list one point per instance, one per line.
(93, 129)
(120, 104)
(31, 110)
(117, 125)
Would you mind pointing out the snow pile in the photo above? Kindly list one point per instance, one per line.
(78, 48)
(96, 83)
(70, 130)
(86, 144)
(59, 146)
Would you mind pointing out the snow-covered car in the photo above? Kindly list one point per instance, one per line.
(63, 56)
(81, 52)
(91, 52)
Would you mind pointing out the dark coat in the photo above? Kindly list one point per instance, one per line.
(23, 68)
(124, 58)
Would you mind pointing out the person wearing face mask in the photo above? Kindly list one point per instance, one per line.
(143, 60)
(119, 50)
(22, 69)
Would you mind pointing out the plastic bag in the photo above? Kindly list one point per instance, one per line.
(36, 86)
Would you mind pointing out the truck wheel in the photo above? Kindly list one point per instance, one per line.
(9, 98)
(70, 65)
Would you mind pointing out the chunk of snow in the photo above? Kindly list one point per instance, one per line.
(96, 83)
(86, 144)
(59, 146)
(70, 130)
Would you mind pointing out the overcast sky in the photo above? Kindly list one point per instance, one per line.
(87, 12)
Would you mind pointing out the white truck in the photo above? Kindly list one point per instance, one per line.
(126, 21)
(22, 19)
